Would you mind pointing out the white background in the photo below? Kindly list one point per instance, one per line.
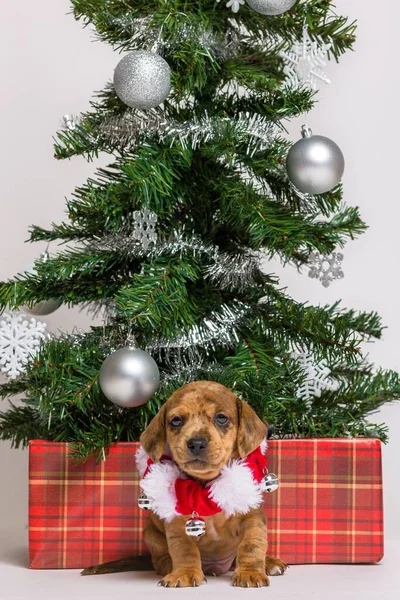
(50, 66)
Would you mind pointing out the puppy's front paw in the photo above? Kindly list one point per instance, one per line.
(249, 578)
(275, 566)
(183, 578)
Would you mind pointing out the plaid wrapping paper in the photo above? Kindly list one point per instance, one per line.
(328, 508)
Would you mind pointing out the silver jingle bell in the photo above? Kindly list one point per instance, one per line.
(195, 526)
(144, 502)
(270, 483)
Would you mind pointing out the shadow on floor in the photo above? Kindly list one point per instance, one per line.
(14, 556)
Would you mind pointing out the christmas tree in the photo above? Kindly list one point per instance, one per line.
(168, 242)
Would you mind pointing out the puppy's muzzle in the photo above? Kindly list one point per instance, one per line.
(197, 445)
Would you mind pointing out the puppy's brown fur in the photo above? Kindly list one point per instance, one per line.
(182, 560)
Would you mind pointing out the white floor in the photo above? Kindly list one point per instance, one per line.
(325, 582)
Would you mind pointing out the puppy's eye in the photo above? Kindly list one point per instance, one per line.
(221, 419)
(176, 421)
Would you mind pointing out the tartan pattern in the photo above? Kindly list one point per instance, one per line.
(86, 514)
(328, 508)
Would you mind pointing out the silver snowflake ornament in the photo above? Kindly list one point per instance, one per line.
(305, 62)
(317, 376)
(326, 268)
(20, 338)
(234, 4)
(144, 227)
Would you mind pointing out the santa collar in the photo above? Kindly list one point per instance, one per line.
(237, 489)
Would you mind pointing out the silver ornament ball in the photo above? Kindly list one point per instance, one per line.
(142, 79)
(270, 483)
(315, 164)
(195, 527)
(43, 308)
(129, 377)
(271, 7)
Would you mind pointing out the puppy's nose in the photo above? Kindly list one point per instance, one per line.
(196, 445)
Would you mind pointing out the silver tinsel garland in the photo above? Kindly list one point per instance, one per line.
(127, 131)
(233, 272)
(181, 364)
(137, 29)
(217, 330)
(178, 243)
(70, 122)
(143, 35)
(253, 129)
(140, 33)
(134, 126)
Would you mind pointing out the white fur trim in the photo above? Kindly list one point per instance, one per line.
(235, 490)
(264, 446)
(141, 457)
(159, 485)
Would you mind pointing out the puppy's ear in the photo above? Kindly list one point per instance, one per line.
(154, 437)
(251, 430)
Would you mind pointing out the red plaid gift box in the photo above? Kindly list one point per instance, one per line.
(328, 508)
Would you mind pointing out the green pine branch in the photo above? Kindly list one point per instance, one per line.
(197, 300)
(115, 21)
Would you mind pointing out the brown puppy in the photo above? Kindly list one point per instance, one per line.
(203, 425)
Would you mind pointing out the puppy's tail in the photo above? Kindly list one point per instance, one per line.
(132, 563)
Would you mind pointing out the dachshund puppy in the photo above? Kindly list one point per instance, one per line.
(202, 426)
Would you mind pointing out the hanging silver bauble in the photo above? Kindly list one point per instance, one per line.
(129, 377)
(44, 307)
(270, 483)
(195, 526)
(315, 164)
(271, 7)
(142, 79)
